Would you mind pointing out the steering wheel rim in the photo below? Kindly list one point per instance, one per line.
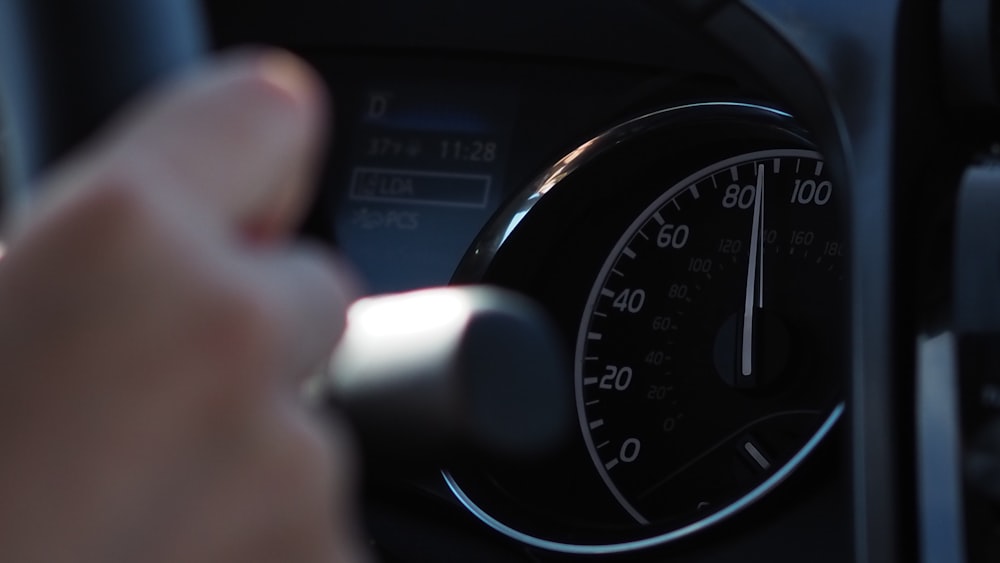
(65, 67)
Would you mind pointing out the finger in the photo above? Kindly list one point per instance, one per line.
(240, 136)
(336, 468)
(310, 288)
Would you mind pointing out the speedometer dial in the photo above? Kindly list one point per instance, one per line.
(694, 261)
(705, 356)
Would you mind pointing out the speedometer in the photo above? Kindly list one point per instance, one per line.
(705, 355)
(694, 259)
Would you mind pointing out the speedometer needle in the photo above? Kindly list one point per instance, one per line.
(755, 273)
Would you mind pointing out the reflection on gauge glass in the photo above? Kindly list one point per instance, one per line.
(705, 357)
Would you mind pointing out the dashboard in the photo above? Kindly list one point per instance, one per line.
(624, 173)
(742, 219)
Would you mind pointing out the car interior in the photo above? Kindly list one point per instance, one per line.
(756, 244)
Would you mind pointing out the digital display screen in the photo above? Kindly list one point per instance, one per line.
(426, 172)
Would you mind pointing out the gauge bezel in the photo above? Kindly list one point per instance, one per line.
(495, 239)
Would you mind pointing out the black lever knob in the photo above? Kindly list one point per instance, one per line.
(429, 372)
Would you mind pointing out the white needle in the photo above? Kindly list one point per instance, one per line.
(756, 245)
(760, 245)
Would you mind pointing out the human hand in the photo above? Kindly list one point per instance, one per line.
(156, 323)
